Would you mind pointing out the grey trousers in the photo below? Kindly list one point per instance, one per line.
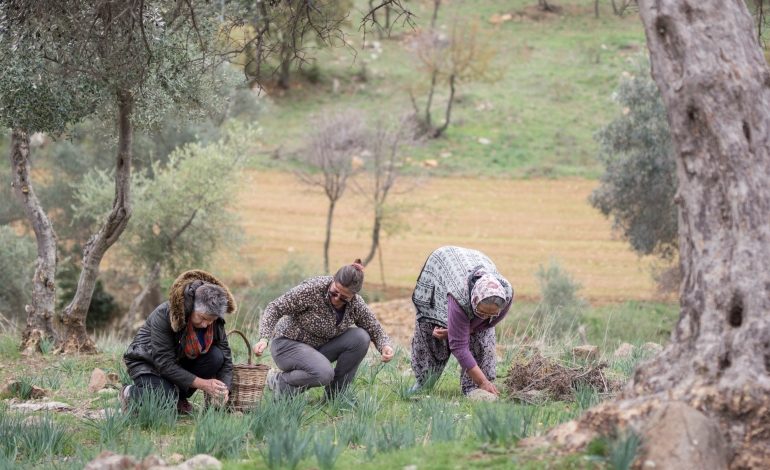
(303, 366)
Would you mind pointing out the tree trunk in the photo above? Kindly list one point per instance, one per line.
(284, 72)
(375, 236)
(328, 240)
(429, 103)
(136, 311)
(40, 312)
(75, 338)
(596, 8)
(434, 17)
(714, 81)
(448, 114)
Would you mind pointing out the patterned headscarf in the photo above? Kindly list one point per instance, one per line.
(487, 286)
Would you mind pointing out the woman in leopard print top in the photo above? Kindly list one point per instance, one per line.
(313, 325)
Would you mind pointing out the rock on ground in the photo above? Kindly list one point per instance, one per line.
(679, 436)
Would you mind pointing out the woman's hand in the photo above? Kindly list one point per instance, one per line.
(387, 354)
(440, 333)
(213, 387)
(260, 347)
(489, 387)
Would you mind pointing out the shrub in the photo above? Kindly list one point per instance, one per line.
(639, 183)
(560, 308)
(219, 434)
(111, 426)
(286, 445)
(154, 410)
(327, 448)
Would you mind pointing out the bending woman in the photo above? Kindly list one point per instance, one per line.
(459, 298)
(313, 325)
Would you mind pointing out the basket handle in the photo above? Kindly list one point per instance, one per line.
(246, 340)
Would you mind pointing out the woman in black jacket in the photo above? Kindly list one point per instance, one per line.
(182, 347)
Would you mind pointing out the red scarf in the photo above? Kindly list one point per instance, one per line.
(191, 345)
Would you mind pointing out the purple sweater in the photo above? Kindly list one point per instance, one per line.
(460, 330)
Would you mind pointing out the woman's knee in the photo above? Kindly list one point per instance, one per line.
(359, 338)
(324, 374)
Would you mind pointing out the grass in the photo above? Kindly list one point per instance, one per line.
(374, 426)
(558, 73)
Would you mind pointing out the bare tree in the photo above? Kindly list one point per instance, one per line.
(713, 80)
(330, 150)
(466, 55)
(384, 164)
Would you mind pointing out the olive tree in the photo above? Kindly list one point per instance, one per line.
(181, 211)
(639, 183)
(713, 79)
(124, 59)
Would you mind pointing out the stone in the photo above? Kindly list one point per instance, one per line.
(200, 462)
(651, 348)
(43, 406)
(98, 380)
(484, 141)
(586, 352)
(679, 436)
(111, 461)
(624, 351)
(430, 163)
(15, 387)
(481, 395)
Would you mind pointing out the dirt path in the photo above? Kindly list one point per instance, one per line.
(520, 224)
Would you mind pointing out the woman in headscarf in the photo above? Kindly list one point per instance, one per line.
(314, 325)
(182, 347)
(460, 297)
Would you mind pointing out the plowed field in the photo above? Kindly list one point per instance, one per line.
(519, 223)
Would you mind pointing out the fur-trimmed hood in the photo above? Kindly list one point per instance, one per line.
(181, 296)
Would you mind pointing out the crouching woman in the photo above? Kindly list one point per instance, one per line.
(459, 298)
(182, 347)
(321, 321)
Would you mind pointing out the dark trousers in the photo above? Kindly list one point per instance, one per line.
(303, 366)
(205, 366)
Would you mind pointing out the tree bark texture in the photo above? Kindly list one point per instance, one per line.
(715, 83)
(40, 312)
(73, 318)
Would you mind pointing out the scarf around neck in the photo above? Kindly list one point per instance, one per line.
(192, 346)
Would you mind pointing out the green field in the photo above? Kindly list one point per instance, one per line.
(558, 73)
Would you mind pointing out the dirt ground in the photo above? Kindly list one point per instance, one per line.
(520, 224)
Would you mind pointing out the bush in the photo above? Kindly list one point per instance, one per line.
(17, 258)
(560, 307)
(638, 187)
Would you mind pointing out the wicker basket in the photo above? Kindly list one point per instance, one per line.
(248, 382)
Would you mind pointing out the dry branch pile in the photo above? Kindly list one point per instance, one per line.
(536, 378)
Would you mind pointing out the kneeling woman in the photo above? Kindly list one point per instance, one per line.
(182, 347)
(459, 298)
(313, 325)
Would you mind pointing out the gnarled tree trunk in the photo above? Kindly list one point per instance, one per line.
(716, 86)
(75, 337)
(41, 311)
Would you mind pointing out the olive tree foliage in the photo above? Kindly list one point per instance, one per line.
(638, 186)
(126, 60)
(181, 210)
(328, 157)
(465, 55)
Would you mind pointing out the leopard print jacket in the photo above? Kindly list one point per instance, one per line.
(305, 314)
